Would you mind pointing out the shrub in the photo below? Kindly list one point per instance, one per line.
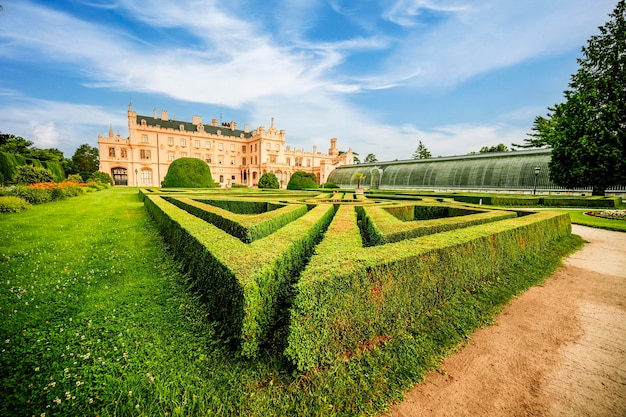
(28, 174)
(329, 185)
(75, 178)
(268, 180)
(301, 180)
(189, 173)
(32, 195)
(101, 177)
(9, 204)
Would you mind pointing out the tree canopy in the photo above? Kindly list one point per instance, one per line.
(86, 159)
(587, 132)
(188, 173)
(370, 158)
(421, 152)
(498, 148)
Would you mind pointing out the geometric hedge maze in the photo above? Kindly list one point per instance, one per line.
(320, 276)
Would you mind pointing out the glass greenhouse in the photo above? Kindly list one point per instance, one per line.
(513, 171)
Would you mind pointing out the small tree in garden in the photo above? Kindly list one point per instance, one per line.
(189, 173)
(358, 177)
(268, 180)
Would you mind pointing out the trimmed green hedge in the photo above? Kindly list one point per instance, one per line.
(536, 201)
(350, 297)
(380, 225)
(309, 284)
(245, 286)
(246, 227)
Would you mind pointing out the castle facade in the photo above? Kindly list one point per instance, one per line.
(235, 156)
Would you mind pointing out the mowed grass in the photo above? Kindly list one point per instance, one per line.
(96, 319)
(579, 217)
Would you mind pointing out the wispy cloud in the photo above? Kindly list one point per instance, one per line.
(263, 60)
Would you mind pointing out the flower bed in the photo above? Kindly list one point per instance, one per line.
(608, 214)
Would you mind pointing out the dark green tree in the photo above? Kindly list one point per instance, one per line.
(421, 152)
(189, 173)
(540, 137)
(16, 145)
(588, 131)
(268, 180)
(86, 160)
(370, 158)
(498, 148)
(301, 180)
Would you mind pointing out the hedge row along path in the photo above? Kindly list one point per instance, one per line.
(557, 350)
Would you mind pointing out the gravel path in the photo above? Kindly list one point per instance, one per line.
(557, 350)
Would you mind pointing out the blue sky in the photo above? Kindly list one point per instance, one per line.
(377, 75)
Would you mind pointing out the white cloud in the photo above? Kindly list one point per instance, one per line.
(489, 35)
(242, 62)
(59, 125)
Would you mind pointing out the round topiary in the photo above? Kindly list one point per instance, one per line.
(301, 180)
(188, 173)
(268, 180)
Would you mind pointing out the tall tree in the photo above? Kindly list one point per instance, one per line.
(86, 159)
(588, 131)
(541, 132)
(421, 152)
(16, 145)
(370, 158)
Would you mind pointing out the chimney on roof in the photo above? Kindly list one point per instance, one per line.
(233, 125)
(164, 115)
(246, 129)
(213, 122)
(154, 112)
(196, 120)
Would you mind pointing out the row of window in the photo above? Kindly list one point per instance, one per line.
(220, 145)
(146, 154)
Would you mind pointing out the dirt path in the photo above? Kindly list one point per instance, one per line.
(557, 350)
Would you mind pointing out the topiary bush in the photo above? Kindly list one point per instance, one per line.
(189, 173)
(9, 204)
(268, 180)
(28, 174)
(301, 180)
(329, 185)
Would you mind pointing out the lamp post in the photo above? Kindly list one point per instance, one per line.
(136, 178)
(537, 169)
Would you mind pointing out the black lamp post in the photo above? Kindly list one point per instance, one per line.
(136, 178)
(537, 169)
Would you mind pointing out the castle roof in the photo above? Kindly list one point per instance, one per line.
(226, 130)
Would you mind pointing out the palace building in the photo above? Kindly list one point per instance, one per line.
(235, 156)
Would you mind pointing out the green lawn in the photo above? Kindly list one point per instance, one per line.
(579, 217)
(96, 319)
